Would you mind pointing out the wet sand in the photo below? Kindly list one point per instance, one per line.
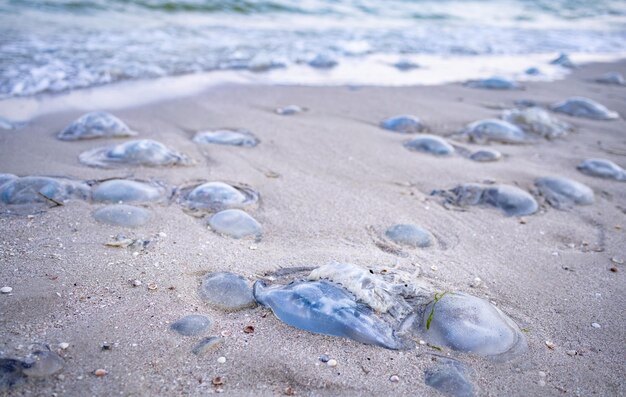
(329, 178)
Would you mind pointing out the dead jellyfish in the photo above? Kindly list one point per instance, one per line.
(603, 169)
(613, 78)
(95, 125)
(537, 121)
(409, 235)
(403, 124)
(511, 200)
(6, 177)
(383, 291)
(289, 110)
(43, 363)
(226, 291)
(486, 155)
(449, 377)
(584, 107)
(430, 144)
(217, 196)
(494, 83)
(235, 223)
(227, 137)
(494, 130)
(562, 192)
(11, 373)
(144, 152)
(405, 65)
(564, 61)
(122, 215)
(469, 324)
(191, 325)
(325, 308)
(127, 191)
(323, 61)
(533, 71)
(41, 189)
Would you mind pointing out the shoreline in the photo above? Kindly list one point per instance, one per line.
(327, 178)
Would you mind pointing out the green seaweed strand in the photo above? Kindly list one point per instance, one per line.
(438, 297)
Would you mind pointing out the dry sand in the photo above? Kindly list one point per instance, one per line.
(338, 175)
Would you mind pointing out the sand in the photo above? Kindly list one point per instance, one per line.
(329, 180)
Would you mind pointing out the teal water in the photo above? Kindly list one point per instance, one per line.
(59, 45)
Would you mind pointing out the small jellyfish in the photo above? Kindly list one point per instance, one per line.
(537, 121)
(227, 137)
(323, 61)
(11, 373)
(405, 65)
(235, 223)
(127, 191)
(6, 177)
(612, 78)
(122, 215)
(409, 235)
(95, 125)
(325, 308)
(289, 110)
(450, 377)
(533, 71)
(564, 61)
(226, 291)
(43, 363)
(41, 189)
(486, 155)
(143, 152)
(385, 292)
(191, 325)
(511, 200)
(469, 324)
(405, 124)
(430, 144)
(207, 344)
(494, 130)
(494, 83)
(603, 169)
(562, 192)
(217, 196)
(584, 107)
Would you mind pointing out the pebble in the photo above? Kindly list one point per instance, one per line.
(332, 362)
(596, 325)
(6, 290)
(324, 358)
(477, 282)
(136, 283)
(63, 345)
(100, 372)
(221, 360)
(248, 329)
(394, 378)
(217, 381)
(550, 345)
(152, 287)
(289, 391)
(571, 353)
(619, 261)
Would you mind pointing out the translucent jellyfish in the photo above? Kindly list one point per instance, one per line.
(613, 78)
(406, 65)
(495, 83)
(384, 292)
(323, 61)
(403, 124)
(235, 223)
(603, 169)
(584, 107)
(511, 200)
(217, 196)
(41, 189)
(537, 121)
(6, 177)
(43, 363)
(191, 325)
(325, 308)
(289, 110)
(122, 215)
(450, 377)
(564, 61)
(485, 155)
(10, 125)
(144, 152)
(562, 192)
(127, 191)
(226, 291)
(95, 125)
(533, 71)
(11, 373)
(430, 144)
(469, 324)
(227, 137)
(207, 344)
(494, 130)
(409, 235)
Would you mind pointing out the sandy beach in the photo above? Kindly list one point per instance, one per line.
(330, 182)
